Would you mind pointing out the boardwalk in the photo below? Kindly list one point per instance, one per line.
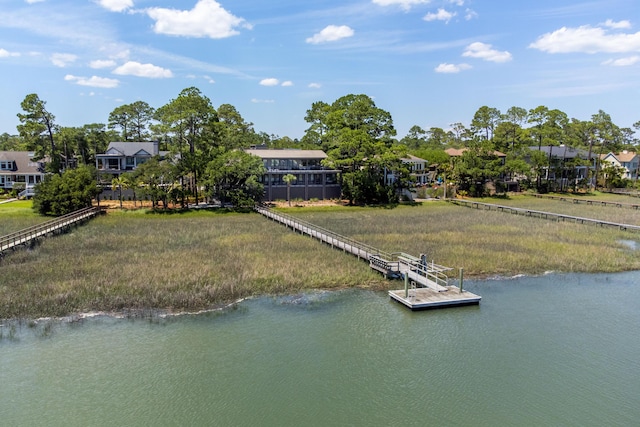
(426, 283)
(57, 225)
(543, 215)
(589, 201)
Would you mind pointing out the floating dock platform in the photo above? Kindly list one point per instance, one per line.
(427, 298)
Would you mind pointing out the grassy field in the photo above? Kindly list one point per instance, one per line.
(623, 215)
(134, 261)
(487, 243)
(17, 215)
(198, 260)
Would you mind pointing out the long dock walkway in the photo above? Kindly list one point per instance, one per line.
(543, 215)
(57, 225)
(577, 200)
(426, 283)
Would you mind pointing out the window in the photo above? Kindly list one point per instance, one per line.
(315, 179)
(6, 165)
(113, 164)
(331, 178)
(130, 163)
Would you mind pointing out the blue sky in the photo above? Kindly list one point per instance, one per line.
(427, 62)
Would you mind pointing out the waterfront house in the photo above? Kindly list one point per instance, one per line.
(628, 160)
(313, 180)
(20, 171)
(566, 165)
(121, 157)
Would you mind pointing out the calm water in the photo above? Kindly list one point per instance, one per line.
(558, 350)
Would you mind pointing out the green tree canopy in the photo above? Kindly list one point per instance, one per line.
(62, 194)
(234, 177)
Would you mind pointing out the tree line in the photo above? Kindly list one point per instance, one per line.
(358, 137)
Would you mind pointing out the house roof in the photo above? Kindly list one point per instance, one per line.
(23, 161)
(132, 149)
(626, 156)
(412, 158)
(561, 151)
(457, 152)
(287, 154)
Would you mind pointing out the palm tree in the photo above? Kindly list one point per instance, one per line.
(289, 178)
(118, 182)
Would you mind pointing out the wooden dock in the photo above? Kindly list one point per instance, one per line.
(427, 298)
(57, 225)
(426, 283)
(544, 215)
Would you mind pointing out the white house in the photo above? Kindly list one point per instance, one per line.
(628, 160)
(19, 170)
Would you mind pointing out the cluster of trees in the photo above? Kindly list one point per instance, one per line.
(513, 133)
(358, 137)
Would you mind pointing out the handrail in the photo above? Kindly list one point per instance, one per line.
(588, 201)
(543, 214)
(396, 261)
(307, 228)
(25, 235)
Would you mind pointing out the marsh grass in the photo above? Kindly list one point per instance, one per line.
(485, 243)
(17, 215)
(623, 215)
(135, 262)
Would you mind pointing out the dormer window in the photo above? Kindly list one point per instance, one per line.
(6, 165)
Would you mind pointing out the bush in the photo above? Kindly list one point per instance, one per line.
(62, 194)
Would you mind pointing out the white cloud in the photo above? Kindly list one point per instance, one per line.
(270, 82)
(133, 68)
(116, 5)
(620, 25)
(262, 101)
(34, 1)
(63, 59)
(470, 14)
(93, 81)
(486, 52)
(206, 19)
(404, 4)
(451, 68)
(331, 33)
(441, 15)
(102, 63)
(315, 85)
(457, 2)
(5, 53)
(587, 39)
(287, 83)
(623, 62)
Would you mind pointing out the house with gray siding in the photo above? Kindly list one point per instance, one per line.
(313, 180)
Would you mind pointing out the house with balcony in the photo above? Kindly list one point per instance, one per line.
(313, 180)
(20, 171)
(628, 160)
(121, 157)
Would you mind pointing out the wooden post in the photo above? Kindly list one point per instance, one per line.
(461, 279)
(406, 285)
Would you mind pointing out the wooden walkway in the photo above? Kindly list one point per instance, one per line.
(57, 225)
(543, 215)
(426, 283)
(588, 201)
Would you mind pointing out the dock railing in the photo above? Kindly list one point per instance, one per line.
(588, 201)
(544, 215)
(359, 249)
(392, 264)
(27, 235)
